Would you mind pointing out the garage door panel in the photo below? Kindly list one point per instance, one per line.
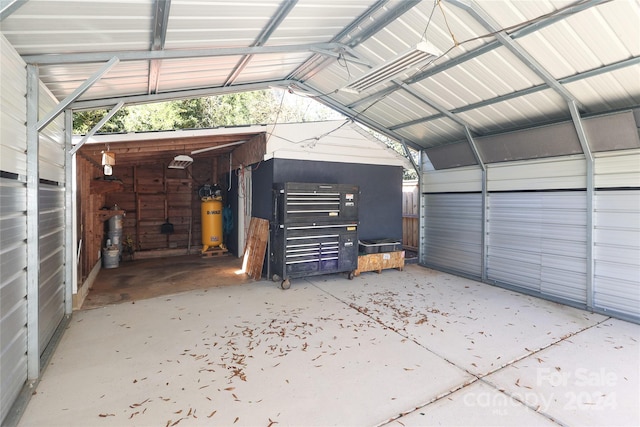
(453, 232)
(617, 251)
(536, 240)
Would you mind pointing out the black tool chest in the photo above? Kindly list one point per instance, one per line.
(314, 230)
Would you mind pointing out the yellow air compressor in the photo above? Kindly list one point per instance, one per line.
(211, 212)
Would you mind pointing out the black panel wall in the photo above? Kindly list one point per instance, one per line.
(261, 184)
(380, 190)
(231, 241)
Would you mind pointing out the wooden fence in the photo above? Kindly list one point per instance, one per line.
(410, 214)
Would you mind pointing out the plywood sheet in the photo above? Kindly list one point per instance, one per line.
(256, 247)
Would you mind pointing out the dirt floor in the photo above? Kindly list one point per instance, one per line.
(148, 278)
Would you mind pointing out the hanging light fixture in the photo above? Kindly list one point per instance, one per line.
(414, 57)
(180, 161)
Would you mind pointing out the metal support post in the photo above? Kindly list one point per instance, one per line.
(584, 142)
(33, 243)
(70, 270)
(483, 238)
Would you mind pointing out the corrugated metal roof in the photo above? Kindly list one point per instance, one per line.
(489, 81)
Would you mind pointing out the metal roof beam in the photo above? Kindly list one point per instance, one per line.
(76, 94)
(354, 115)
(438, 107)
(359, 20)
(7, 7)
(140, 55)
(285, 8)
(352, 58)
(495, 44)
(488, 22)
(181, 94)
(374, 96)
(577, 77)
(160, 22)
(394, 13)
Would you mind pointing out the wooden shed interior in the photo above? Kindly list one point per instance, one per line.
(148, 193)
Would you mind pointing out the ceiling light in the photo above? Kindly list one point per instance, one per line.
(180, 162)
(414, 57)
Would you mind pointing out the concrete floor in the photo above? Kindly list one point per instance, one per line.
(417, 347)
(148, 278)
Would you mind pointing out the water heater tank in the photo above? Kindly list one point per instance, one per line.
(211, 212)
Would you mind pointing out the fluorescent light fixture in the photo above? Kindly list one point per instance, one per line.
(414, 57)
(180, 162)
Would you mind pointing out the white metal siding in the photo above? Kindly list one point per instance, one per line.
(453, 232)
(51, 140)
(13, 132)
(617, 169)
(51, 295)
(556, 173)
(13, 228)
(537, 241)
(51, 221)
(329, 141)
(13, 292)
(617, 232)
(467, 179)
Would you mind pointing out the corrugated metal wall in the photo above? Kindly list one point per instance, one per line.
(51, 297)
(453, 232)
(617, 233)
(536, 234)
(13, 291)
(452, 219)
(13, 229)
(51, 222)
(536, 228)
(13, 226)
(537, 241)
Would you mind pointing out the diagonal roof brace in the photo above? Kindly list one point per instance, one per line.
(7, 7)
(487, 21)
(96, 128)
(76, 93)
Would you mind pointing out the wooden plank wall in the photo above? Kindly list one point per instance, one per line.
(152, 195)
(90, 225)
(410, 215)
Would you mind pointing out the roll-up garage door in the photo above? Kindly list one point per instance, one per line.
(537, 241)
(51, 290)
(453, 232)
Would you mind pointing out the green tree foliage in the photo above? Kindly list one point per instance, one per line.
(260, 107)
(246, 108)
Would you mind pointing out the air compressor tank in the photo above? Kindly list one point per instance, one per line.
(211, 212)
